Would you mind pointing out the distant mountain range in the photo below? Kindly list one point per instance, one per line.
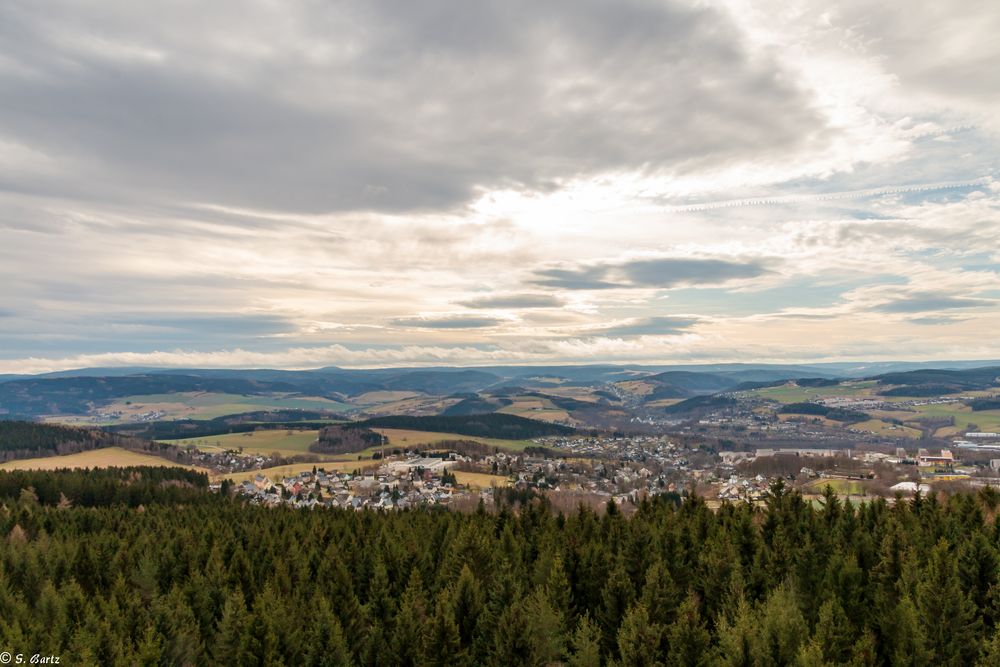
(472, 390)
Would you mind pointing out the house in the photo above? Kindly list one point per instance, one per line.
(946, 458)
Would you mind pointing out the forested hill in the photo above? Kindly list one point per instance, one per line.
(492, 425)
(19, 440)
(220, 583)
(100, 487)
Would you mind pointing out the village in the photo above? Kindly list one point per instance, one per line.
(596, 468)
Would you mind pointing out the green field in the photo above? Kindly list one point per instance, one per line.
(287, 443)
(202, 405)
(986, 420)
(291, 443)
(887, 429)
(793, 394)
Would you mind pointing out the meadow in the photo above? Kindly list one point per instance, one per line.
(95, 458)
(269, 441)
(204, 405)
(480, 480)
(794, 394)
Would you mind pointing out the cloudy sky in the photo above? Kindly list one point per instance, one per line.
(374, 183)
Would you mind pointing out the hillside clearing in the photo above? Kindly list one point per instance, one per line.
(403, 437)
(480, 480)
(106, 457)
(283, 441)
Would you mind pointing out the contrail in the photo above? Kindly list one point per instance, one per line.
(830, 196)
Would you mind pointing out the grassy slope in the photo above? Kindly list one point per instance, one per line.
(95, 458)
(256, 442)
(209, 405)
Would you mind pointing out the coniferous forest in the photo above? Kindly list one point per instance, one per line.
(102, 577)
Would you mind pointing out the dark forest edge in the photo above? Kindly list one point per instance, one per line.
(492, 425)
(219, 582)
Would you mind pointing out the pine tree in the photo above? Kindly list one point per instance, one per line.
(782, 628)
(616, 601)
(639, 640)
(231, 646)
(545, 628)
(833, 632)
(511, 641)
(737, 638)
(585, 645)
(443, 642)
(408, 637)
(687, 636)
(324, 642)
(946, 613)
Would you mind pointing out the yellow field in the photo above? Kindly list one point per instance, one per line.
(96, 458)
(540, 413)
(402, 437)
(276, 473)
(841, 487)
(287, 443)
(480, 480)
(637, 387)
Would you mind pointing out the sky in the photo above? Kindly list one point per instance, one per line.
(368, 183)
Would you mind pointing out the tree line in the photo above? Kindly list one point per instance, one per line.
(788, 583)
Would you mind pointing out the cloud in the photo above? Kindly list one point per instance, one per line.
(647, 326)
(458, 322)
(584, 278)
(930, 302)
(299, 106)
(934, 320)
(674, 272)
(514, 301)
(663, 272)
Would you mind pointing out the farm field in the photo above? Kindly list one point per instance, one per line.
(536, 408)
(810, 419)
(843, 487)
(106, 457)
(402, 437)
(790, 394)
(417, 405)
(986, 420)
(204, 405)
(880, 427)
(288, 443)
(278, 472)
(480, 480)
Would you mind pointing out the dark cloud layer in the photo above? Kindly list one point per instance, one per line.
(378, 105)
(928, 302)
(514, 301)
(664, 272)
(447, 322)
